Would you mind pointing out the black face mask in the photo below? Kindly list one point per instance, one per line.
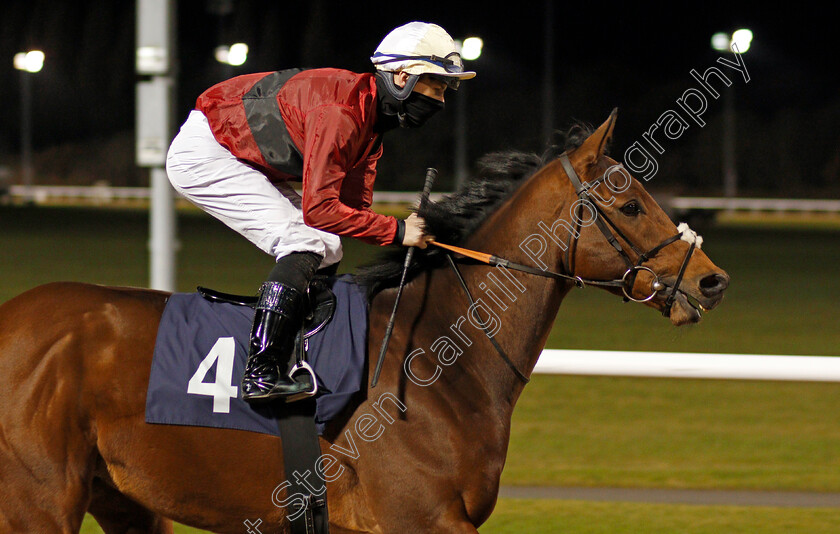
(412, 112)
(418, 109)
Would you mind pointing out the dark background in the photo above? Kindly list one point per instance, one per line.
(634, 56)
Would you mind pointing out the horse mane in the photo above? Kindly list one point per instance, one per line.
(455, 217)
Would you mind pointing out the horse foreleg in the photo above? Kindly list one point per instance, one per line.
(458, 527)
(117, 514)
(44, 475)
(422, 522)
(36, 496)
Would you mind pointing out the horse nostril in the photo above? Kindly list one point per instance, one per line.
(714, 284)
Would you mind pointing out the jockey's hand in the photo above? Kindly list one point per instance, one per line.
(415, 232)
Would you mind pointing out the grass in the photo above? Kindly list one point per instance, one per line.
(514, 516)
(110, 246)
(676, 433)
(590, 431)
(783, 299)
(89, 526)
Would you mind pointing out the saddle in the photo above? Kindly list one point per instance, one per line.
(296, 425)
(320, 303)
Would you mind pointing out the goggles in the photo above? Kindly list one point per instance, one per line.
(452, 64)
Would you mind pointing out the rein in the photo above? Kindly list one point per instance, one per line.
(607, 227)
(493, 341)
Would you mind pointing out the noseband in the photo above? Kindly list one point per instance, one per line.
(609, 231)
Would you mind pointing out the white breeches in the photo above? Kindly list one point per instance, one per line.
(268, 215)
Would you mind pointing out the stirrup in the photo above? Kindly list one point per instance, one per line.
(272, 385)
(302, 365)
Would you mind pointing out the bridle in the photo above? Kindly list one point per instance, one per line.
(609, 231)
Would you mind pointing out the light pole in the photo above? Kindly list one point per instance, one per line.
(470, 50)
(738, 42)
(28, 63)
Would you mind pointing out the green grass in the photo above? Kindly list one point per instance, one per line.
(110, 246)
(514, 516)
(89, 526)
(676, 433)
(784, 298)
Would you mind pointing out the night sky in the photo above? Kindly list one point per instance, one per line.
(624, 55)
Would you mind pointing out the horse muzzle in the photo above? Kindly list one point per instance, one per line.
(693, 297)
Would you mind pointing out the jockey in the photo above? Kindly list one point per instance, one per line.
(249, 136)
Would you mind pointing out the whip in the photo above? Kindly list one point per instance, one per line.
(431, 174)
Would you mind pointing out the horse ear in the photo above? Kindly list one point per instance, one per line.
(594, 146)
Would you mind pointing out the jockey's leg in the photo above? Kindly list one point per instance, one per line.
(277, 319)
(270, 216)
(267, 214)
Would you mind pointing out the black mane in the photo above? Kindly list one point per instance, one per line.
(455, 217)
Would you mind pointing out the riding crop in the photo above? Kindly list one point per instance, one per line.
(431, 174)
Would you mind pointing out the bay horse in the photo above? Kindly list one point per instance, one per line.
(423, 452)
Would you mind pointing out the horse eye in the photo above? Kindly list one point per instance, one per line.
(631, 209)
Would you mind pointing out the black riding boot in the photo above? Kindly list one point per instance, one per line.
(276, 321)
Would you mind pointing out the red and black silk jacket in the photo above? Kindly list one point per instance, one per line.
(310, 125)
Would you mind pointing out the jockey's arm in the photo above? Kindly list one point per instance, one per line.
(327, 155)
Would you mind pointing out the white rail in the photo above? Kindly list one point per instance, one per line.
(94, 193)
(689, 365)
(755, 204)
(103, 194)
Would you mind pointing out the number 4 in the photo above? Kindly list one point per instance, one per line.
(222, 390)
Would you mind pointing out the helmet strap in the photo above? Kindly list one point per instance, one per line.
(400, 93)
(390, 110)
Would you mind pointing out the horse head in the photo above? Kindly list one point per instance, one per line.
(607, 231)
(619, 232)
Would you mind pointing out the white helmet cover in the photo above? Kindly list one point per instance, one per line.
(421, 48)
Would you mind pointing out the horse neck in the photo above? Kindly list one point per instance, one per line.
(527, 320)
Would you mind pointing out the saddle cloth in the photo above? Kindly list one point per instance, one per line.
(200, 356)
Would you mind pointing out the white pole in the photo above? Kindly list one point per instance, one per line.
(162, 232)
(689, 365)
(155, 53)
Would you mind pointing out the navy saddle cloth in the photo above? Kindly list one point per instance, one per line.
(201, 351)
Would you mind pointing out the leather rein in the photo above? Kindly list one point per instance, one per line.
(609, 231)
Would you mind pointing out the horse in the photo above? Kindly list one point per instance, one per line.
(424, 451)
